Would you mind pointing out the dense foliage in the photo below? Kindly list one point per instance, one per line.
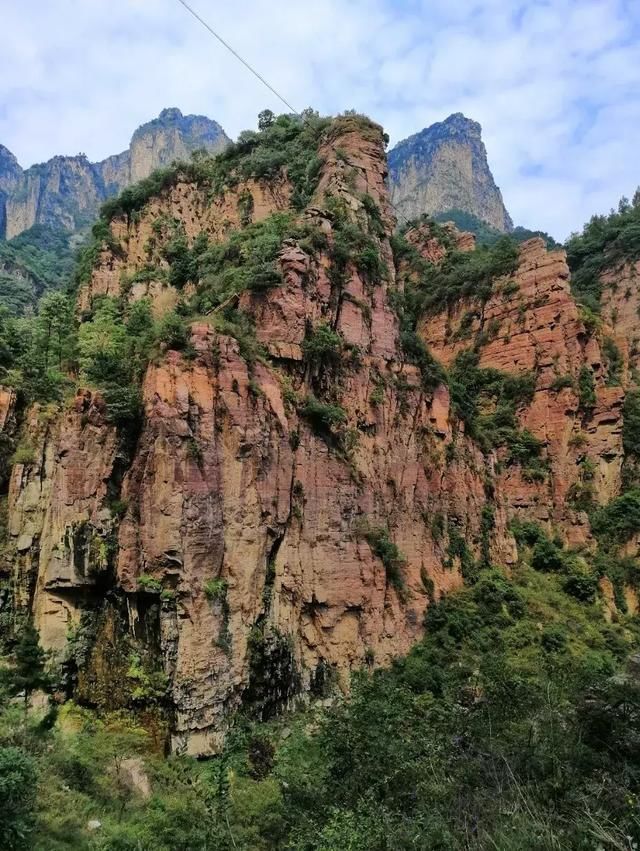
(461, 274)
(605, 243)
(38, 260)
(485, 234)
(511, 726)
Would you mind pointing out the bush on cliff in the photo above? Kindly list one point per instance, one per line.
(287, 146)
(325, 417)
(247, 260)
(323, 346)
(461, 274)
(487, 401)
(606, 242)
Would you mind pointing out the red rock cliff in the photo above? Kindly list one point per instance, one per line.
(259, 530)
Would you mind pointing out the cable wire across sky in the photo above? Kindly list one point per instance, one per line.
(259, 76)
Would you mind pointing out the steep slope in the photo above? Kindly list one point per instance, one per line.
(267, 475)
(36, 261)
(442, 168)
(66, 192)
(10, 175)
(228, 488)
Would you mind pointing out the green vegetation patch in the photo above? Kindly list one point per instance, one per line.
(487, 235)
(461, 274)
(487, 401)
(606, 242)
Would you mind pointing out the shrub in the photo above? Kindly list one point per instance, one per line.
(246, 261)
(124, 404)
(324, 417)
(605, 242)
(149, 584)
(216, 589)
(586, 389)
(416, 352)
(580, 585)
(554, 638)
(617, 522)
(631, 423)
(173, 331)
(464, 275)
(18, 786)
(24, 454)
(526, 532)
(613, 361)
(384, 548)
(547, 557)
(323, 347)
(239, 325)
(561, 382)
(472, 387)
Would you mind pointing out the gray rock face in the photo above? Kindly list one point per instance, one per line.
(10, 174)
(445, 167)
(66, 192)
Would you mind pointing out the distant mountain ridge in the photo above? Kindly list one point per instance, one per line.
(67, 191)
(445, 167)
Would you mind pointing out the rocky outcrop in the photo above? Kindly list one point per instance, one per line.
(442, 168)
(10, 174)
(63, 192)
(66, 192)
(264, 551)
(60, 522)
(621, 309)
(171, 136)
(531, 323)
(259, 527)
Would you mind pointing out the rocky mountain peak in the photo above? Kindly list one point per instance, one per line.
(67, 191)
(444, 167)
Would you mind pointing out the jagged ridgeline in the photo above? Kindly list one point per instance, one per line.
(350, 509)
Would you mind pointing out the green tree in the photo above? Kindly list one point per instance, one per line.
(53, 331)
(18, 783)
(28, 672)
(173, 331)
(265, 119)
(102, 345)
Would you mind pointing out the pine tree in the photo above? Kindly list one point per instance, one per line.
(28, 673)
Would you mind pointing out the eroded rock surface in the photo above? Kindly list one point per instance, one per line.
(244, 539)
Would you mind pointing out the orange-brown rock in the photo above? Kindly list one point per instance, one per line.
(532, 323)
(257, 526)
(140, 239)
(59, 520)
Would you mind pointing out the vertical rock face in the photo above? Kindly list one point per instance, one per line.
(264, 554)
(59, 520)
(171, 136)
(10, 174)
(255, 525)
(444, 167)
(531, 324)
(66, 192)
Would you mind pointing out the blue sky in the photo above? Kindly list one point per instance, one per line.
(555, 85)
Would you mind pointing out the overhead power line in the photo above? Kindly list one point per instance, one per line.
(238, 57)
(264, 82)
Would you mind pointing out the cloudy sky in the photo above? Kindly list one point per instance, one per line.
(555, 84)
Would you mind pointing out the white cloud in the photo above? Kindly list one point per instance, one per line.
(555, 83)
